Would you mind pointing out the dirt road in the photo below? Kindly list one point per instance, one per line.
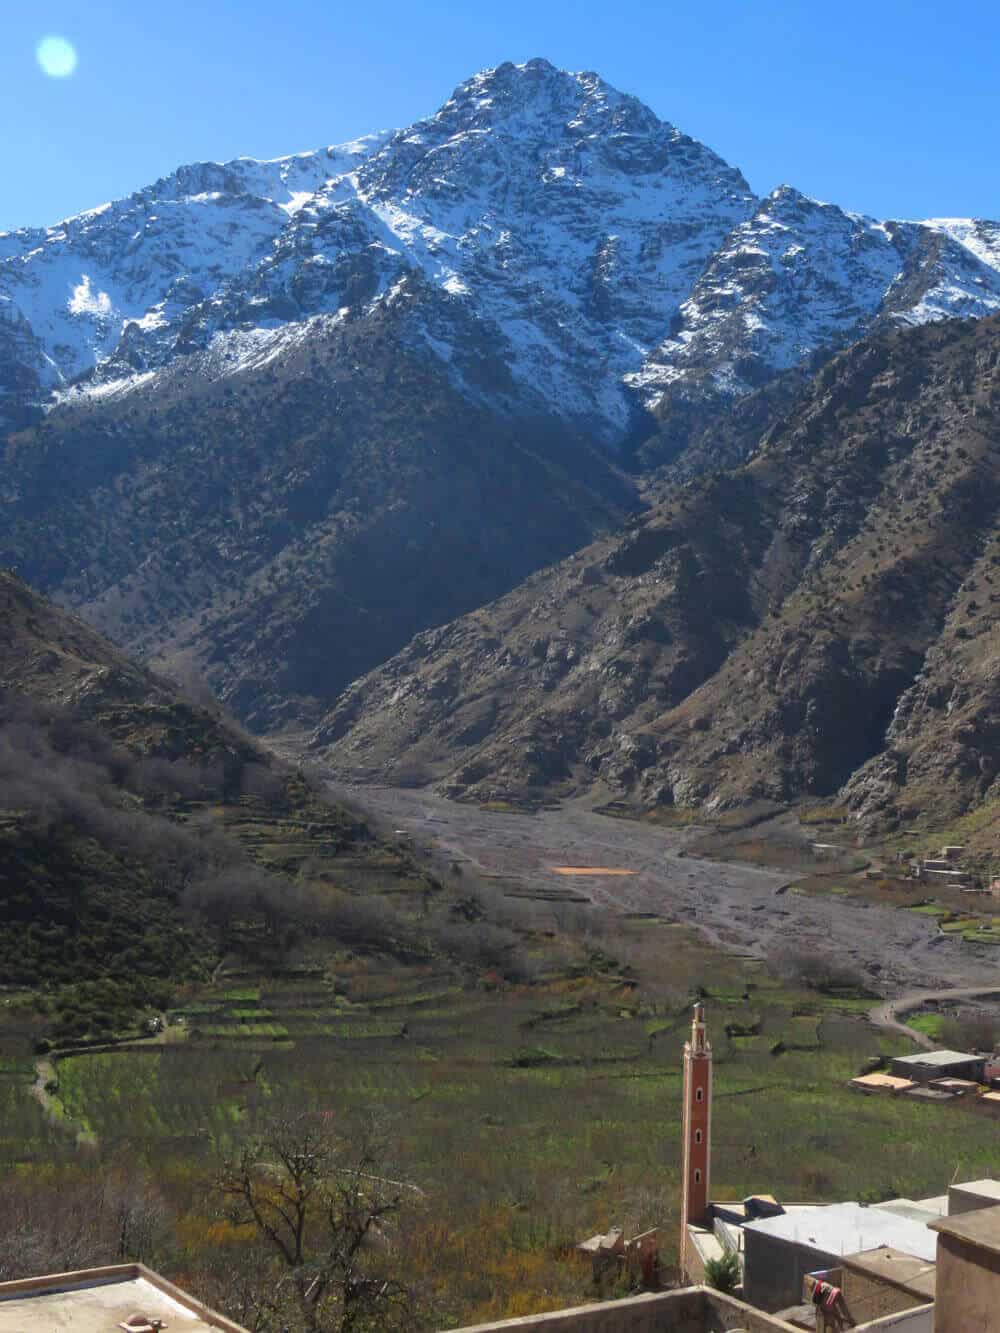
(887, 1015)
(736, 907)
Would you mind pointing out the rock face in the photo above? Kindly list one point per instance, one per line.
(817, 619)
(616, 266)
(285, 527)
(272, 419)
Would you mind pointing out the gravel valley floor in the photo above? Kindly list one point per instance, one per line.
(738, 908)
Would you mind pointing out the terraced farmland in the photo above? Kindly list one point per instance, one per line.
(527, 1115)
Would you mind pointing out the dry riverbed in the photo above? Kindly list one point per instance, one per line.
(738, 908)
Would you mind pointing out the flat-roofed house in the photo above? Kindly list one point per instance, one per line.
(928, 1065)
(968, 1272)
(104, 1300)
(779, 1252)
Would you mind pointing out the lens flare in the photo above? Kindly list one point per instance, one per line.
(56, 56)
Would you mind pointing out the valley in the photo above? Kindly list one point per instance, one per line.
(603, 559)
(736, 908)
(360, 952)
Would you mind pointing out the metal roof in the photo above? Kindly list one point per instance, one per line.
(936, 1058)
(849, 1228)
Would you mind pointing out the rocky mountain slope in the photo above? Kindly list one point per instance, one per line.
(614, 264)
(285, 528)
(134, 826)
(94, 754)
(268, 420)
(819, 620)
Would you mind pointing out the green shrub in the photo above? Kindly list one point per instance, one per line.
(724, 1273)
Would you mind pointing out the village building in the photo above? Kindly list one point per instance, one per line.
(885, 1085)
(968, 1272)
(129, 1297)
(926, 1066)
(779, 1252)
(972, 1196)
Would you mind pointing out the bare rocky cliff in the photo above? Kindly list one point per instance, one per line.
(819, 619)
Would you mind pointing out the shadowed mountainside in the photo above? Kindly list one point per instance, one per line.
(820, 616)
(290, 526)
(143, 838)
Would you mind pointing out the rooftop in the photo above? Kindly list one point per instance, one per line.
(687, 1310)
(893, 1266)
(981, 1227)
(982, 1189)
(100, 1300)
(918, 1210)
(933, 1059)
(849, 1228)
(890, 1082)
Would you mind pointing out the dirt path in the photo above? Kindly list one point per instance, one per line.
(52, 1107)
(46, 1074)
(739, 908)
(887, 1015)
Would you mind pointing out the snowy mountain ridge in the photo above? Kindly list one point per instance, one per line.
(611, 263)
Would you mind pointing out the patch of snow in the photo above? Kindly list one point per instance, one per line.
(601, 253)
(85, 301)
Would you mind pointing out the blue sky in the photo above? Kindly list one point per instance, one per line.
(889, 108)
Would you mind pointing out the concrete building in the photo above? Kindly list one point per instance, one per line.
(972, 1195)
(873, 1285)
(968, 1272)
(104, 1300)
(779, 1252)
(928, 1065)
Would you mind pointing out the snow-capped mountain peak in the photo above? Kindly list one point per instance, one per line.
(607, 259)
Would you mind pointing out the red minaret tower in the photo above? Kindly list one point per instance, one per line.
(697, 1129)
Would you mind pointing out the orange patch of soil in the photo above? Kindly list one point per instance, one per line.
(589, 870)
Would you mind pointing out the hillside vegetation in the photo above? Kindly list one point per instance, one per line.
(143, 839)
(818, 620)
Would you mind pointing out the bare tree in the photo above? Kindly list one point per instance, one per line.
(323, 1208)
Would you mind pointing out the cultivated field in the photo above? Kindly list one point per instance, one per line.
(531, 1103)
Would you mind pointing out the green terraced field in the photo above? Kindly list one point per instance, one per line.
(532, 1114)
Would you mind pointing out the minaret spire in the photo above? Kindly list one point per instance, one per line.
(697, 1147)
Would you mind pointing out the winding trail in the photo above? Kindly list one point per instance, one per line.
(886, 1015)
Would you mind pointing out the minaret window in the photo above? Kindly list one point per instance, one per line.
(697, 1136)
(699, 1096)
(697, 1176)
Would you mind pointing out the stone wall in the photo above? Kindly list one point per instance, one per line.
(868, 1297)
